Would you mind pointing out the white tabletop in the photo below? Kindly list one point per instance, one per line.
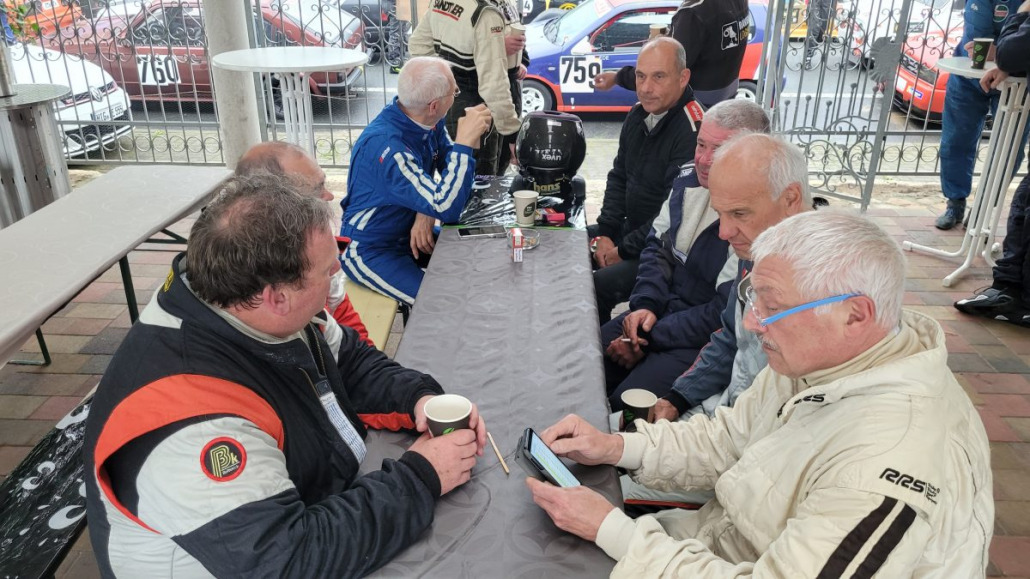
(290, 59)
(963, 66)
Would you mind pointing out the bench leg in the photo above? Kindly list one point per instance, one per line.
(42, 348)
(130, 293)
(405, 311)
(174, 238)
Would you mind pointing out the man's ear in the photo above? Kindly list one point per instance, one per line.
(685, 77)
(793, 199)
(861, 314)
(276, 297)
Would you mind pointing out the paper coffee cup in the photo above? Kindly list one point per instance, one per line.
(655, 31)
(981, 47)
(447, 413)
(639, 404)
(519, 31)
(525, 207)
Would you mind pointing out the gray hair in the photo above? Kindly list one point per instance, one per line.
(739, 115)
(265, 157)
(423, 80)
(674, 45)
(837, 252)
(786, 163)
(254, 234)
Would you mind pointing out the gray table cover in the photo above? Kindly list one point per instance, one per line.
(520, 340)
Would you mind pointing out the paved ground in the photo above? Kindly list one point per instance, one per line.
(991, 360)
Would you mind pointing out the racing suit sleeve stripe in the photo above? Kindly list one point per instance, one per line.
(886, 544)
(439, 197)
(848, 549)
(170, 400)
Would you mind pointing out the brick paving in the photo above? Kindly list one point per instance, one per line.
(991, 360)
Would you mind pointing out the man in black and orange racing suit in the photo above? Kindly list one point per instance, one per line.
(224, 440)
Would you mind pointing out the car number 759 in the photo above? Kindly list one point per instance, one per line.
(157, 70)
(578, 72)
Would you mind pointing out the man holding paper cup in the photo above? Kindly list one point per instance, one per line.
(856, 453)
(966, 108)
(225, 437)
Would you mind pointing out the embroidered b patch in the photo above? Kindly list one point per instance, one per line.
(223, 459)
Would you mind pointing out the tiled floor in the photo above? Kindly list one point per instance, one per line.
(991, 359)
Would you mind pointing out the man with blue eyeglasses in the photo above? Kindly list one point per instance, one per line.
(855, 453)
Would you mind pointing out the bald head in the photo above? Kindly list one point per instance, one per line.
(661, 75)
(288, 161)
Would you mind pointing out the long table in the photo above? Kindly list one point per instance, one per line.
(521, 341)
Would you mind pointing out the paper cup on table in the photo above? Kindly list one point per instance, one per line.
(447, 413)
(639, 404)
(525, 207)
(981, 47)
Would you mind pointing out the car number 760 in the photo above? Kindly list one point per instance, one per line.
(578, 72)
(157, 70)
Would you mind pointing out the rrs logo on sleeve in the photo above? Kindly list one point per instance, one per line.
(223, 459)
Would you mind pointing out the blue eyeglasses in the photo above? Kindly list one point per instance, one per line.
(749, 293)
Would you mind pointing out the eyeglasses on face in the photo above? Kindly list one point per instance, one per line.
(749, 293)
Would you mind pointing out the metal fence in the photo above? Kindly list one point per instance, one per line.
(853, 81)
(141, 80)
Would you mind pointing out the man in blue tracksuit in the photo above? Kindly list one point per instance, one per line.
(1008, 298)
(393, 179)
(965, 108)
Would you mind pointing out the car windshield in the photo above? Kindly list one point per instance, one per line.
(315, 19)
(575, 20)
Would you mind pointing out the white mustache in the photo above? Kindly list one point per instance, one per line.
(768, 344)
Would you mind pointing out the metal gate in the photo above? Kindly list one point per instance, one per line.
(141, 82)
(854, 83)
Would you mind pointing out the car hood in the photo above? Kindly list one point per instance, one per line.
(537, 44)
(35, 65)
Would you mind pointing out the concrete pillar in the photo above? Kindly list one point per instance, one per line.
(239, 128)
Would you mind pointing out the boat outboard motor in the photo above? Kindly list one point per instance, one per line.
(550, 149)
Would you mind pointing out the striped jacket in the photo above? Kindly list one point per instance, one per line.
(210, 452)
(392, 177)
(877, 467)
(469, 34)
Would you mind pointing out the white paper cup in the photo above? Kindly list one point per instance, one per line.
(519, 31)
(447, 413)
(525, 207)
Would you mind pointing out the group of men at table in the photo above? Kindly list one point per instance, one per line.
(226, 434)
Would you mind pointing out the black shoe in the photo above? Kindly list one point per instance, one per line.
(953, 215)
(1000, 304)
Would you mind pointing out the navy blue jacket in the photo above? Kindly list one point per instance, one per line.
(1014, 45)
(681, 289)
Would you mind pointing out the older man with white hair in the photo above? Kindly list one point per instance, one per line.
(855, 453)
(405, 165)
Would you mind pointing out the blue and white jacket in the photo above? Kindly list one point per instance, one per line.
(392, 177)
(686, 287)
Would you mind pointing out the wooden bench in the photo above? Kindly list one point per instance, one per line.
(376, 310)
(46, 259)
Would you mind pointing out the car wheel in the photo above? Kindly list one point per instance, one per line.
(536, 97)
(747, 91)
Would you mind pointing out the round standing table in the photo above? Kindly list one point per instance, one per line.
(999, 166)
(291, 63)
